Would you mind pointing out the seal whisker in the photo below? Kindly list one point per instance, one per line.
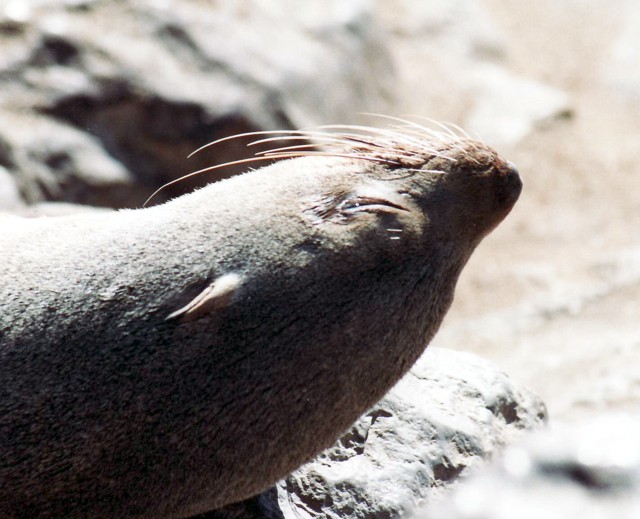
(391, 158)
(460, 129)
(426, 148)
(422, 132)
(408, 126)
(343, 140)
(204, 170)
(336, 138)
(476, 136)
(405, 143)
(239, 136)
(389, 145)
(286, 148)
(394, 137)
(367, 130)
(392, 142)
(447, 129)
(429, 132)
(293, 154)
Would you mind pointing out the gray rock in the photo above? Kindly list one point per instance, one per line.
(53, 209)
(622, 69)
(169, 77)
(506, 108)
(456, 27)
(10, 198)
(589, 470)
(450, 412)
(54, 161)
(461, 45)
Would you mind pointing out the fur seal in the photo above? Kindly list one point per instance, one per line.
(163, 362)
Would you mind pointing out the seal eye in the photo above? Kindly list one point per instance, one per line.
(367, 204)
(343, 207)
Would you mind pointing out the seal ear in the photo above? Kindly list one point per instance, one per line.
(215, 297)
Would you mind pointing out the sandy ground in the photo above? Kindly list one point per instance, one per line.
(553, 296)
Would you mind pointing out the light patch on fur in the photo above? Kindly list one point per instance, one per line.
(215, 297)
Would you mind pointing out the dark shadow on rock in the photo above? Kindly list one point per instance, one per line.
(263, 506)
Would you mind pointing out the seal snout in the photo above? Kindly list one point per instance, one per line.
(510, 184)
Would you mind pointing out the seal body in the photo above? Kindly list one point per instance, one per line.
(167, 361)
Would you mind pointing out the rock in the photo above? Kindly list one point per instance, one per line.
(463, 28)
(622, 69)
(465, 71)
(170, 76)
(506, 108)
(592, 301)
(56, 161)
(52, 209)
(10, 198)
(589, 470)
(450, 412)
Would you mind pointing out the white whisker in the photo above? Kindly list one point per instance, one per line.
(404, 144)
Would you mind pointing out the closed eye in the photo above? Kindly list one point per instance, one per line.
(367, 204)
(344, 207)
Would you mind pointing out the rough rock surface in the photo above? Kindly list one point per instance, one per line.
(102, 113)
(450, 412)
(590, 470)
